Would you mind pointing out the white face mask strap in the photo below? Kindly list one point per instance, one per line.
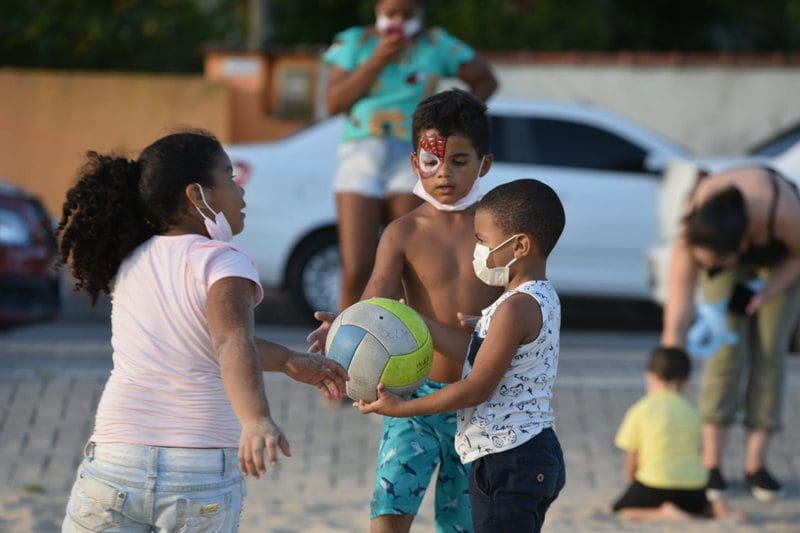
(504, 242)
(203, 197)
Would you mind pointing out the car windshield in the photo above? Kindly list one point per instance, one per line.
(777, 144)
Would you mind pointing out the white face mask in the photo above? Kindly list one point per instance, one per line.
(410, 27)
(497, 276)
(218, 229)
(468, 200)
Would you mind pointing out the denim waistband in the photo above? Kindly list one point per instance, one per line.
(160, 459)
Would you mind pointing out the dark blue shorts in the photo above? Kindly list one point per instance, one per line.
(510, 491)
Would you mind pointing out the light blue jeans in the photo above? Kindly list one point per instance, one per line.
(129, 487)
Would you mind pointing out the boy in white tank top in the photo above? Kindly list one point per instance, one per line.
(505, 415)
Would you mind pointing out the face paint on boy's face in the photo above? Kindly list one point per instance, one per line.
(431, 155)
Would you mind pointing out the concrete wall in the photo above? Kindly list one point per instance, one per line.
(48, 119)
(710, 109)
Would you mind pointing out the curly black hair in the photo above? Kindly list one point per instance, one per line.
(527, 206)
(453, 112)
(118, 203)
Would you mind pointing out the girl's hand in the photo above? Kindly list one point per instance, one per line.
(257, 435)
(387, 404)
(389, 47)
(467, 321)
(325, 374)
(318, 337)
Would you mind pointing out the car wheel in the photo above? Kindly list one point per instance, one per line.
(314, 272)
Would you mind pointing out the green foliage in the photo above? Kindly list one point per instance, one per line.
(154, 35)
(485, 24)
(168, 35)
(707, 25)
(312, 22)
(599, 25)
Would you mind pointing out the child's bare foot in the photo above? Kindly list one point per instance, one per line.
(723, 512)
(667, 511)
(670, 511)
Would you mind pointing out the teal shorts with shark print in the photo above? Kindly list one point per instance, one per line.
(409, 452)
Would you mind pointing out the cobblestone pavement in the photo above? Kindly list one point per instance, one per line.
(53, 374)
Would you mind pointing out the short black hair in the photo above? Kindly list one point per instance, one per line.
(527, 206)
(670, 364)
(719, 224)
(453, 112)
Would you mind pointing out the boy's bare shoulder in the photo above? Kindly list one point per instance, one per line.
(521, 303)
(409, 223)
(524, 313)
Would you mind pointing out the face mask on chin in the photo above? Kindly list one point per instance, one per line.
(218, 229)
(497, 276)
(468, 200)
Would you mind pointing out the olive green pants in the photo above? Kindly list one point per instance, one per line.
(761, 351)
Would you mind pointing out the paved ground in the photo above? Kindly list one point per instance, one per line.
(51, 377)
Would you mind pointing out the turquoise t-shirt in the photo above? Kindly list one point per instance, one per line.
(389, 105)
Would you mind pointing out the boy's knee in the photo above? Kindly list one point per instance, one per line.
(717, 411)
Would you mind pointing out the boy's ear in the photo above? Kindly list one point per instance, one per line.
(488, 159)
(413, 158)
(525, 245)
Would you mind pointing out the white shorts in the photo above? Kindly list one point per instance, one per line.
(375, 167)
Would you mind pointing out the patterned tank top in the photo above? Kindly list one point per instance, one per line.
(521, 405)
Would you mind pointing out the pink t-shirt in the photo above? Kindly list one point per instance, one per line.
(166, 388)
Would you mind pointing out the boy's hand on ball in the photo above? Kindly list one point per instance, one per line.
(258, 435)
(325, 374)
(387, 404)
(317, 338)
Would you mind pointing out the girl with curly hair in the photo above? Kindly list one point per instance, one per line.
(186, 389)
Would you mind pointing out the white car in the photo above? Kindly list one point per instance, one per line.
(605, 169)
(781, 152)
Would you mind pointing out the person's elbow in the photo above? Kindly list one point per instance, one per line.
(232, 342)
(491, 84)
(481, 79)
(334, 103)
(478, 392)
(332, 107)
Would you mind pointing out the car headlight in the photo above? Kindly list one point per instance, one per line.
(13, 229)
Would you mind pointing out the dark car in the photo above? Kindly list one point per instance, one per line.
(29, 283)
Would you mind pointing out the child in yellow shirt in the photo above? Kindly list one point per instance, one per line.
(661, 435)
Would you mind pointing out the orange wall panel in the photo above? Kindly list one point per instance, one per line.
(49, 119)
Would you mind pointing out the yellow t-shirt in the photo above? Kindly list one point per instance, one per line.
(664, 431)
